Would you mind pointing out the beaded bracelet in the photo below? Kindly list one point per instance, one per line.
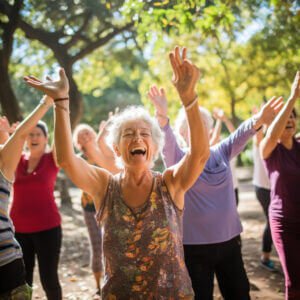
(189, 106)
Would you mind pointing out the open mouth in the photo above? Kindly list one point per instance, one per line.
(34, 144)
(138, 151)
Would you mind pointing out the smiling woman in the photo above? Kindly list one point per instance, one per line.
(34, 212)
(135, 127)
(139, 211)
(281, 151)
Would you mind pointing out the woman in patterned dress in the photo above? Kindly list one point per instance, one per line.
(139, 211)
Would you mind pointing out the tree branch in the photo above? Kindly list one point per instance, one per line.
(77, 36)
(50, 39)
(99, 42)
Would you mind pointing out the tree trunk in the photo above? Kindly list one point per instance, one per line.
(8, 100)
(233, 113)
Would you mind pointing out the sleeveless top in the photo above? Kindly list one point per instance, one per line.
(260, 176)
(143, 252)
(34, 208)
(10, 249)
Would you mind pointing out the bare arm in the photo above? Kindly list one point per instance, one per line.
(91, 179)
(4, 130)
(215, 137)
(182, 176)
(228, 124)
(104, 156)
(12, 149)
(277, 127)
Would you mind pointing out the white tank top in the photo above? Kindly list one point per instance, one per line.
(260, 176)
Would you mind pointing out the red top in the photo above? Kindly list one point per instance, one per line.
(34, 208)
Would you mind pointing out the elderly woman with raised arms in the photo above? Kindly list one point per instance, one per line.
(139, 210)
(281, 151)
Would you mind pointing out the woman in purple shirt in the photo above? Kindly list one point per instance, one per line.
(281, 151)
(211, 225)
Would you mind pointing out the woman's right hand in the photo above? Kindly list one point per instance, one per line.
(56, 89)
(185, 75)
(295, 90)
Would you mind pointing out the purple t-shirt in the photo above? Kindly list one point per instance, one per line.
(283, 167)
(210, 214)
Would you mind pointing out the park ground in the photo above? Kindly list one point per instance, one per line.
(77, 280)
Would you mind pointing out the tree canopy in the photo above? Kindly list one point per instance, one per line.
(113, 51)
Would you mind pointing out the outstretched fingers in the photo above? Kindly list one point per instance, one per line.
(175, 67)
(154, 90)
(162, 92)
(33, 83)
(34, 78)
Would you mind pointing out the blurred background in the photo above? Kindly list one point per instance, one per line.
(113, 51)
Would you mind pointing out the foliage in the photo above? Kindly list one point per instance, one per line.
(246, 50)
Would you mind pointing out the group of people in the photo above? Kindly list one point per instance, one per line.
(160, 235)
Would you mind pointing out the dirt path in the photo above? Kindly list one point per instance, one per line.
(76, 277)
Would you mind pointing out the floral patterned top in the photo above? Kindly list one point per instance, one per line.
(143, 252)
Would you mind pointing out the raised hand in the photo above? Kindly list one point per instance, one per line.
(4, 125)
(269, 110)
(295, 90)
(185, 75)
(159, 100)
(219, 114)
(56, 89)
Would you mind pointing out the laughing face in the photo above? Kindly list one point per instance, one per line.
(85, 138)
(37, 140)
(136, 145)
(290, 127)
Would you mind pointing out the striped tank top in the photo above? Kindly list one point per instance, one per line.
(10, 250)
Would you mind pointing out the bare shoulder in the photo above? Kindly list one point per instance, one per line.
(176, 194)
(168, 177)
(101, 179)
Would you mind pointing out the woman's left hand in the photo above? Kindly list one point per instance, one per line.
(53, 88)
(268, 111)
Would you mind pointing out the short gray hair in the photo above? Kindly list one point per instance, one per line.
(77, 130)
(134, 113)
(181, 120)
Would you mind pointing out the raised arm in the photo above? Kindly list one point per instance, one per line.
(88, 178)
(277, 127)
(4, 130)
(216, 133)
(182, 176)
(236, 141)
(105, 157)
(11, 151)
(159, 100)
